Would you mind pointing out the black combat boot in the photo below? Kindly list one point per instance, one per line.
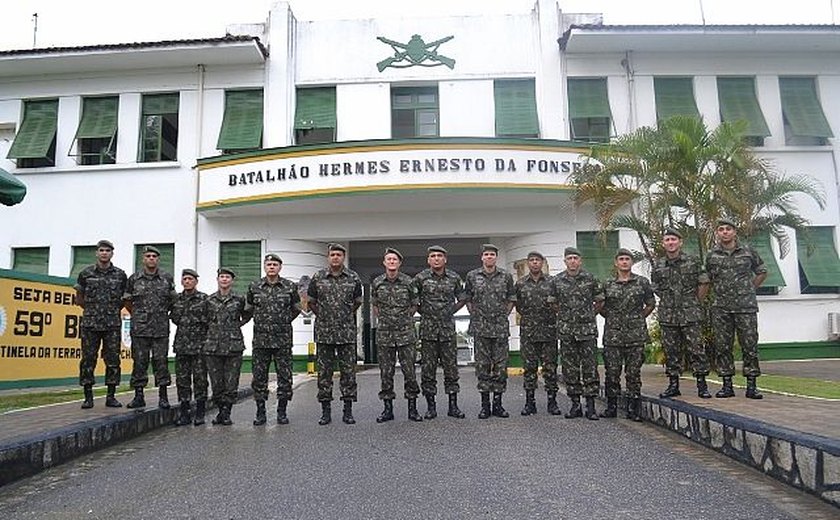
(431, 410)
(260, 419)
(139, 401)
(184, 416)
(530, 404)
(454, 411)
(552, 407)
(752, 391)
(111, 400)
(200, 408)
(703, 388)
(88, 402)
(611, 411)
(590, 409)
(413, 414)
(498, 410)
(326, 413)
(163, 399)
(347, 417)
(226, 421)
(485, 406)
(634, 409)
(726, 390)
(575, 411)
(387, 412)
(673, 389)
(282, 418)
(220, 415)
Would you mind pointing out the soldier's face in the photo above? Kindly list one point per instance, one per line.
(488, 259)
(224, 280)
(104, 254)
(188, 282)
(336, 259)
(272, 267)
(671, 243)
(725, 233)
(392, 262)
(623, 263)
(436, 260)
(572, 263)
(535, 265)
(150, 261)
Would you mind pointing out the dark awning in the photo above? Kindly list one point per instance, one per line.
(12, 190)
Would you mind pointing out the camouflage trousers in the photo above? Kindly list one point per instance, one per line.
(678, 338)
(191, 372)
(261, 364)
(328, 355)
(534, 354)
(110, 341)
(725, 325)
(580, 366)
(142, 349)
(444, 353)
(629, 357)
(387, 366)
(491, 360)
(224, 377)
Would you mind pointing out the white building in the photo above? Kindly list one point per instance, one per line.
(287, 135)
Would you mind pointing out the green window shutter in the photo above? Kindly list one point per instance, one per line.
(32, 259)
(761, 245)
(738, 101)
(83, 256)
(37, 131)
(588, 98)
(674, 97)
(315, 108)
(155, 104)
(245, 258)
(242, 126)
(167, 257)
(99, 118)
(822, 267)
(516, 108)
(801, 107)
(598, 252)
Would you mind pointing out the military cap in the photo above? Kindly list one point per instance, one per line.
(672, 232)
(392, 251)
(189, 272)
(226, 270)
(571, 251)
(725, 221)
(151, 249)
(623, 251)
(536, 254)
(337, 247)
(436, 249)
(489, 247)
(274, 257)
(105, 243)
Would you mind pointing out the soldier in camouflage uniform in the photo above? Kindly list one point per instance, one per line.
(335, 293)
(490, 297)
(441, 295)
(537, 332)
(190, 368)
(394, 301)
(628, 301)
(275, 303)
(149, 296)
(225, 313)
(735, 271)
(579, 297)
(99, 290)
(681, 283)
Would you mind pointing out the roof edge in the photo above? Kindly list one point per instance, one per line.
(228, 39)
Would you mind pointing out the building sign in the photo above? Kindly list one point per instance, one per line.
(415, 53)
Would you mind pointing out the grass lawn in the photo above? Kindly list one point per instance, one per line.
(795, 385)
(36, 398)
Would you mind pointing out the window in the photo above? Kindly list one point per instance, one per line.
(242, 126)
(819, 267)
(315, 115)
(598, 252)
(83, 256)
(96, 137)
(31, 259)
(516, 108)
(775, 280)
(805, 122)
(159, 128)
(34, 145)
(738, 102)
(589, 110)
(245, 258)
(674, 97)
(414, 112)
(166, 261)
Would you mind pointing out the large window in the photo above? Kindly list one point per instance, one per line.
(674, 97)
(598, 252)
(738, 102)
(166, 261)
(805, 122)
(775, 280)
(516, 108)
(242, 126)
(245, 258)
(315, 120)
(589, 110)
(159, 128)
(819, 265)
(31, 259)
(414, 112)
(96, 137)
(34, 145)
(83, 256)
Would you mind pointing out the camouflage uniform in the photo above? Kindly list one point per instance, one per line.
(225, 315)
(190, 368)
(537, 330)
(680, 315)
(735, 307)
(274, 306)
(625, 333)
(151, 296)
(394, 300)
(337, 297)
(438, 295)
(489, 295)
(578, 331)
(102, 291)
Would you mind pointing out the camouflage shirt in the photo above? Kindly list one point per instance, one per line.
(336, 296)
(489, 296)
(395, 301)
(623, 305)
(151, 297)
(102, 291)
(225, 316)
(675, 281)
(731, 274)
(274, 307)
(576, 297)
(534, 299)
(188, 316)
(438, 296)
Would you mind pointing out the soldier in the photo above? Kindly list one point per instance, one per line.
(735, 271)
(490, 298)
(275, 303)
(225, 314)
(99, 290)
(628, 301)
(190, 368)
(335, 293)
(537, 332)
(394, 301)
(149, 295)
(579, 297)
(441, 295)
(681, 284)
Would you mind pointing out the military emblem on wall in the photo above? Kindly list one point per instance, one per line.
(415, 53)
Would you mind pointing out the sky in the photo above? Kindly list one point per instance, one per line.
(89, 22)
